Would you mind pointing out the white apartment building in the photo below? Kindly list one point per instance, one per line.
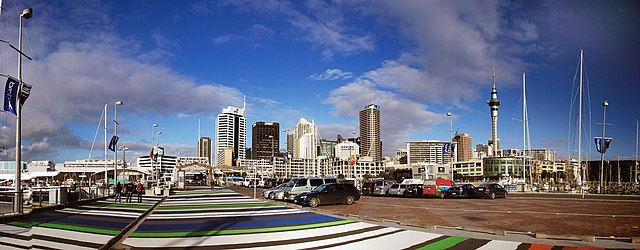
(469, 169)
(231, 133)
(166, 165)
(184, 160)
(305, 140)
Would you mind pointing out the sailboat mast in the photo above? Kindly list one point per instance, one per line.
(524, 128)
(636, 152)
(580, 122)
(105, 144)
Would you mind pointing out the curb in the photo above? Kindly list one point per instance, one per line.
(485, 230)
(575, 237)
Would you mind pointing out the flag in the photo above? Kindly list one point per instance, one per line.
(271, 160)
(24, 93)
(445, 149)
(599, 146)
(10, 95)
(113, 143)
(151, 153)
(285, 160)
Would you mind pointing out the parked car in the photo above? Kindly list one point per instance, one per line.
(367, 188)
(381, 187)
(460, 190)
(436, 187)
(413, 190)
(490, 190)
(269, 192)
(397, 189)
(331, 193)
(300, 185)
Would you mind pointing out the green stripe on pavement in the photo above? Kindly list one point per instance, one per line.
(239, 231)
(239, 205)
(125, 205)
(67, 227)
(444, 243)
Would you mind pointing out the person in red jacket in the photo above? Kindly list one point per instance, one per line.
(140, 190)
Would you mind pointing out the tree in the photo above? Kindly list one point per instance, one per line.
(341, 176)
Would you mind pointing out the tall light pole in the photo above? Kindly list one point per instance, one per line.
(353, 165)
(603, 144)
(160, 166)
(450, 115)
(153, 136)
(115, 144)
(17, 206)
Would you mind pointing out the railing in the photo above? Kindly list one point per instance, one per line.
(35, 197)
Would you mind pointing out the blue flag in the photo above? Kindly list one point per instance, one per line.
(113, 143)
(10, 95)
(445, 149)
(599, 145)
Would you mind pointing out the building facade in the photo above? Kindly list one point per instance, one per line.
(464, 146)
(542, 154)
(162, 168)
(204, 148)
(265, 138)
(347, 150)
(231, 133)
(327, 148)
(370, 143)
(305, 144)
(428, 152)
(469, 170)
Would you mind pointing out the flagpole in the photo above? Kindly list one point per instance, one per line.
(26, 14)
(603, 143)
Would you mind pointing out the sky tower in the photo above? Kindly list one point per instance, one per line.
(494, 103)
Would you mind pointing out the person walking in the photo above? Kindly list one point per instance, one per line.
(129, 191)
(118, 193)
(140, 190)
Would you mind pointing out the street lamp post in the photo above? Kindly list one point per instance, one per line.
(354, 157)
(160, 166)
(115, 145)
(124, 157)
(603, 144)
(153, 136)
(450, 115)
(26, 14)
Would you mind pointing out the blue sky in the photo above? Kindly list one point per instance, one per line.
(177, 62)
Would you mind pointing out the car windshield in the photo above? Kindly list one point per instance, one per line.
(320, 188)
(281, 185)
(485, 185)
(458, 185)
(395, 185)
(291, 183)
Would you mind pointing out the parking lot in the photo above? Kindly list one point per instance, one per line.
(552, 214)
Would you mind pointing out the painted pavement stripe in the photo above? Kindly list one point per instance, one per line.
(540, 247)
(103, 213)
(469, 244)
(66, 240)
(11, 245)
(9, 231)
(499, 244)
(398, 240)
(233, 219)
(187, 207)
(338, 240)
(427, 242)
(218, 215)
(225, 210)
(524, 246)
(87, 237)
(70, 227)
(582, 248)
(40, 244)
(244, 238)
(445, 243)
(237, 231)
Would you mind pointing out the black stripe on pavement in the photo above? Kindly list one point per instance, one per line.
(14, 245)
(423, 244)
(358, 240)
(469, 244)
(14, 236)
(524, 246)
(66, 241)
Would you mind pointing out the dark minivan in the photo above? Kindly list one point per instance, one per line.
(367, 188)
(330, 193)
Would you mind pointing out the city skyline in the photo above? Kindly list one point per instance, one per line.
(176, 63)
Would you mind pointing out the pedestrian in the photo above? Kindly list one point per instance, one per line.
(118, 193)
(140, 190)
(129, 191)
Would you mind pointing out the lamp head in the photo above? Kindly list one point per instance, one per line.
(119, 103)
(449, 114)
(605, 103)
(27, 13)
(155, 125)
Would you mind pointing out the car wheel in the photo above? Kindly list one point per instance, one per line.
(505, 195)
(314, 202)
(271, 196)
(441, 195)
(349, 200)
(493, 195)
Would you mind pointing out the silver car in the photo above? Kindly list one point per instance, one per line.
(381, 187)
(397, 189)
(269, 193)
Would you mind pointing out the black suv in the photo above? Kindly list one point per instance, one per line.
(367, 188)
(330, 193)
(413, 190)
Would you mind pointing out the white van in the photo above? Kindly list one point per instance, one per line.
(300, 185)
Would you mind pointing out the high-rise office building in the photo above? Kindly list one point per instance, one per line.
(428, 152)
(370, 144)
(304, 140)
(231, 135)
(464, 146)
(265, 138)
(204, 148)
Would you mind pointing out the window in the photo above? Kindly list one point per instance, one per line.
(316, 182)
(302, 182)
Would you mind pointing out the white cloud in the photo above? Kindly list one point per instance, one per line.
(331, 74)
(253, 36)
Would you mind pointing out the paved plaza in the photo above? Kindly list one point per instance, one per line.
(221, 219)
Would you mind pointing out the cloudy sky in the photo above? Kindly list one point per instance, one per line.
(179, 63)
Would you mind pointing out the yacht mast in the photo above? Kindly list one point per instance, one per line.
(580, 124)
(636, 152)
(524, 128)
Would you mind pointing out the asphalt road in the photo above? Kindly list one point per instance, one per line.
(549, 214)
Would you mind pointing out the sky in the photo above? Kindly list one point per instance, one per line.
(178, 63)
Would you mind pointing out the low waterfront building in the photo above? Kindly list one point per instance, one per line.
(471, 170)
(496, 167)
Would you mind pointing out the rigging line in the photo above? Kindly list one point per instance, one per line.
(46, 93)
(571, 103)
(96, 134)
